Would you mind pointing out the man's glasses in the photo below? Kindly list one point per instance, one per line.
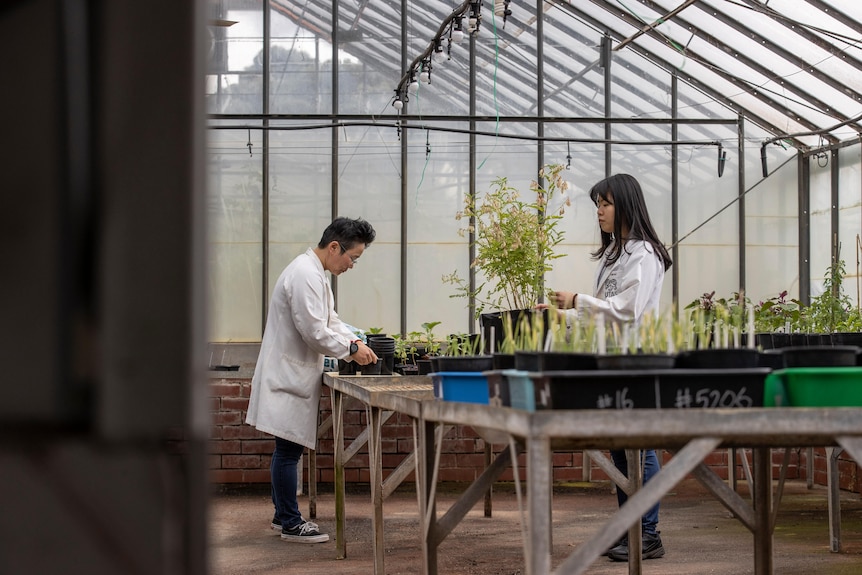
(344, 251)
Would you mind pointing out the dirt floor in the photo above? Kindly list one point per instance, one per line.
(699, 534)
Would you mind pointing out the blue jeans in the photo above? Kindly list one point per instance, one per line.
(651, 466)
(285, 458)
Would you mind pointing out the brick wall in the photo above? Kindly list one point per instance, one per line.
(240, 454)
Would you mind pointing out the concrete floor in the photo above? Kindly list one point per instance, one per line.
(699, 534)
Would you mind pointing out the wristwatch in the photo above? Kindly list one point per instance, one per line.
(354, 346)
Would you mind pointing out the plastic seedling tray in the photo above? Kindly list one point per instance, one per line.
(650, 389)
(814, 387)
(466, 386)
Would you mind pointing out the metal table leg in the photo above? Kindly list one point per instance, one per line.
(338, 433)
(375, 463)
(763, 558)
(834, 489)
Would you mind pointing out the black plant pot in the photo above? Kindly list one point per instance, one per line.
(407, 369)
(820, 356)
(425, 366)
(375, 368)
(504, 361)
(447, 363)
(492, 323)
(771, 358)
(847, 338)
(346, 367)
(635, 361)
(718, 358)
(554, 361)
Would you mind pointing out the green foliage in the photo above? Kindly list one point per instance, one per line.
(777, 314)
(718, 322)
(831, 311)
(462, 344)
(831, 307)
(514, 242)
(432, 345)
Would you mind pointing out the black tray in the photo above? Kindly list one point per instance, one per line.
(650, 389)
(554, 361)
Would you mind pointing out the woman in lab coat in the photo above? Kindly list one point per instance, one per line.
(301, 328)
(628, 281)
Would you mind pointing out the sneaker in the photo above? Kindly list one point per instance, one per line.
(306, 532)
(652, 548)
(623, 541)
(276, 524)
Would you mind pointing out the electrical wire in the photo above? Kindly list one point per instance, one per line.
(733, 201)
(766, 11)
(527, 137)
(496, 104)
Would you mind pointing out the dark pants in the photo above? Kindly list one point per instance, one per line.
(285, 459)
(649, 521)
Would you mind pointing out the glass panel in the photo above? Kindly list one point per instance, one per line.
(850, 219)
(300, 199)
(368, 188)
(574, 272)
(640, 88)
(234, 83)
(436, 189)
(708, 216)
(574, 80)
(771, 229)
(821, 221)
(234, 209)
(654, 176)
(300, 66)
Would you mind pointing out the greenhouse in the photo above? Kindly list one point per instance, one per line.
(587, 292)
(748, 151)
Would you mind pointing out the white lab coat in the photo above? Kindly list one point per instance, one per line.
(625, 290)
(301, 328)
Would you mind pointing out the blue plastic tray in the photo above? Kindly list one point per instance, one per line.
(466, 386)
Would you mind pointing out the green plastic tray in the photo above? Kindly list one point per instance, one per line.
(814, 387)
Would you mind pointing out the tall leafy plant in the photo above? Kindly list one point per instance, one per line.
(514, 240)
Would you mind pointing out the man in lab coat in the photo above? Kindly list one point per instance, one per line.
(301, 328)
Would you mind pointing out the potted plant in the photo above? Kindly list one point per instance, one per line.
(555, 348)
(720, 329)
(431, 348)
(405, 356)
(464, 353)
(649, 346)
(827, 311)
(515, 241)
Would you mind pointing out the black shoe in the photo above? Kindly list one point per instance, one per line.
(276, 524)
(306, 532)
(652, 548)
(622, 542)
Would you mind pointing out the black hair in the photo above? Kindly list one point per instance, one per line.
(630, 211)
(347, 232)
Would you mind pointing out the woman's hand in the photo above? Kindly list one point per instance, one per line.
(564, 299)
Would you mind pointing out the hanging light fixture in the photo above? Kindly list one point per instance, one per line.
(475, 17)
(398, 102)
(457, 30)
(413, 85)
(425, 74)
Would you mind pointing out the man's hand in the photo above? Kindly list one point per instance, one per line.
(364, 355)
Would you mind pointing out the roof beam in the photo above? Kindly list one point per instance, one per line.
(754, 117)
(660, 20)
(822, 106)
(824, 45)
